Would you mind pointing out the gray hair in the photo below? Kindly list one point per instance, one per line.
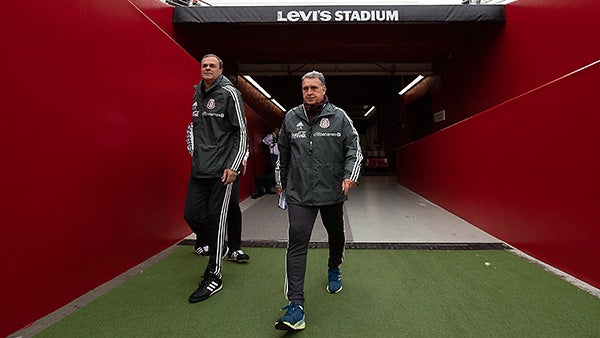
(213, 56)
(315, 75)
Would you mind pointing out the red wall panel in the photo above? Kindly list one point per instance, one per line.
(525, 168)
(541, 41)
(160, 14)
(96, 99)
(95, 105)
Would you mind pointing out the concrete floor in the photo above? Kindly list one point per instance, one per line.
(382, 210)
(378, 210)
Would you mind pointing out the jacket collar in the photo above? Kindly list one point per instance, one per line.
(328, 110)
(221, 81)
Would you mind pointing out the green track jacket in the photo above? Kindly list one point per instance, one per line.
(315, 159)
(218, 129)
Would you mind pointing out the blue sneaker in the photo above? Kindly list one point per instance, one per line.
(334, 284)
(293, 320)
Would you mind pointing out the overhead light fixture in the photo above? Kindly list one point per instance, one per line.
(263, 91)
(370, 111)
(412, 84)
(278, 105)
(257, 86)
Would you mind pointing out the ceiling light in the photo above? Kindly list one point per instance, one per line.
(370, 111)
(257, 86)
(412, 84)
(263, 91)
(278, 105)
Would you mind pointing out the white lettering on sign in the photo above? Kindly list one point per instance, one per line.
(338, 16)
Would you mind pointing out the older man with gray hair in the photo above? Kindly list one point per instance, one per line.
(319, 162)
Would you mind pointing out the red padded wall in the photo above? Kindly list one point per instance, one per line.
(541, 41)
(96, 99)
(526, 168)
(94, 168)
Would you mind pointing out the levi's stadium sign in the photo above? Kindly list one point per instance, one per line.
(338, 14)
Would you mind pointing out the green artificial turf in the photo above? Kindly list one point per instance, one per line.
(387, 293)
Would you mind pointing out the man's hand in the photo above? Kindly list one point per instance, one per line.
(228, 176)
(347, 185)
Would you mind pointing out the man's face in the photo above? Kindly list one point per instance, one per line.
(210, 68)
(313, 91)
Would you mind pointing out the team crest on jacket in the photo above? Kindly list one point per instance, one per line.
(211, 104)
(324, 123)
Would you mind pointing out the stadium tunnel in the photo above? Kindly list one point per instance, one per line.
(368, 54)
(96, 160)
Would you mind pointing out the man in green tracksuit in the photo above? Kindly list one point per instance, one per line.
(319, 162)
(219, 147)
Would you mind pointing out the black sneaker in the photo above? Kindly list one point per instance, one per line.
(238, 256)
(201, 250)
(209, 285)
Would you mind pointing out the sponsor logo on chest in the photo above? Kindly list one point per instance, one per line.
(299, 134)
(210, 105)
(324, 124)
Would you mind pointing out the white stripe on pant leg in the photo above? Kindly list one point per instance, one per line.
(285, 282)
(222, 225)
(287, 248)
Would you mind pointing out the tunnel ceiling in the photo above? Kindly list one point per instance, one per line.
(365, 62)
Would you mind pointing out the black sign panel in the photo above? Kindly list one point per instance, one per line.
(339, 14)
